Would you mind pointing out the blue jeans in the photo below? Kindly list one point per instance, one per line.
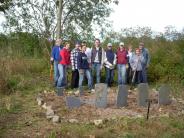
(109, 76)
(121, 74)
(86, 72)
(56, 72)
(62, 75)
(96, 67)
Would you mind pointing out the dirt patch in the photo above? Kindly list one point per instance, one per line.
(88, 112)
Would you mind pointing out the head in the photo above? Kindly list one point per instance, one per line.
(58, 42)
(109, 46)
(130, 48)
(141, 45)
(83, 48)
(121, 45)
(67, 45)
(137, 51)
(78, 45)
(97, 42)
(84, 43)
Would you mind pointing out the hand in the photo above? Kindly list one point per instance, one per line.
(52, 62)
(101, 67)
(81, 71)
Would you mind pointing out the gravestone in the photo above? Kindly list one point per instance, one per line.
(60, 91)
(101, 95)
(163, 95)
(122, 96)
(143, 92)
(72, 102)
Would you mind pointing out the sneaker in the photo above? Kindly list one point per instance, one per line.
(92, 90)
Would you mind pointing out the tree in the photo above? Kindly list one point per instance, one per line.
(4, 5)
(74, 17)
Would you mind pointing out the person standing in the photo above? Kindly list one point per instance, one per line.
(145, 65)
(75, 72)
(97, 59)
(121, 63)
(109, 63)
(63, 65)
(137, 61)
(55, 59)
(84, 69)
(129, 69)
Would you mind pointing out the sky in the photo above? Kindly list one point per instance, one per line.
(156, 14)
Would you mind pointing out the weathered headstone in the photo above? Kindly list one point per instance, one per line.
(60, 91)
(143, 92)
(72, 102)
(101, 95)
(122, 96)
(163, 95)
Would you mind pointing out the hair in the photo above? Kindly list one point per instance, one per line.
(96, 39)
(66, 43)
(138, 49)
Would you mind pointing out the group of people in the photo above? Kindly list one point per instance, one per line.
(84, 61)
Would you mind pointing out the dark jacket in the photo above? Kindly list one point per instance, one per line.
(94, 52)
(82, 61)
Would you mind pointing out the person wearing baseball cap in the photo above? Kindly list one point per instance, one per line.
(109, 62)
(121, 63)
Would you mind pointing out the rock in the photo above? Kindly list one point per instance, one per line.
(49, 107)
(44, 106)
(55, 119)
(39, 100)
(45, 91)
(182, 111)
(98, 122)
(73, 121)
(50, 114)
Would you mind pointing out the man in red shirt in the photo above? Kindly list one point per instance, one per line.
(63, 64)
(121, 63)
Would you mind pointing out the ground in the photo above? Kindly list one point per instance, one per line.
(20, 116)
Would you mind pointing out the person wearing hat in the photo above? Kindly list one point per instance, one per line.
(146, 56)
(55, 59)
(97, 59)
(121, 63)
(109, 63)
(74, 63)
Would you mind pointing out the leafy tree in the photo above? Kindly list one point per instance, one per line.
(74, 17)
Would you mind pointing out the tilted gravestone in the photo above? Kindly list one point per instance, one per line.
(101, 95)
(122, 96)
(163, 95)
(143, 93)
(60, 91)
(72, 102)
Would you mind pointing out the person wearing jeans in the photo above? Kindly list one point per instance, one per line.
(62, 66)
(121, 63)
(97, 59)
(109, 62)
(55, 59)
(145, 66)
(84, 69)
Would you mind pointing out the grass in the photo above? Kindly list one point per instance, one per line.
(20, 115)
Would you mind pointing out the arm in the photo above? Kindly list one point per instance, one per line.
(79, 61)
(115, 59)
(103, 57)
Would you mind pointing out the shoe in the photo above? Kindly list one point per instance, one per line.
(92, 90)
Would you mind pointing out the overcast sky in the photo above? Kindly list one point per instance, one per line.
(152, 13)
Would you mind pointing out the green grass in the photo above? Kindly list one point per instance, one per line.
(20, 115)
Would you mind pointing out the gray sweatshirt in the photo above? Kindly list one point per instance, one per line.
(136, 62)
